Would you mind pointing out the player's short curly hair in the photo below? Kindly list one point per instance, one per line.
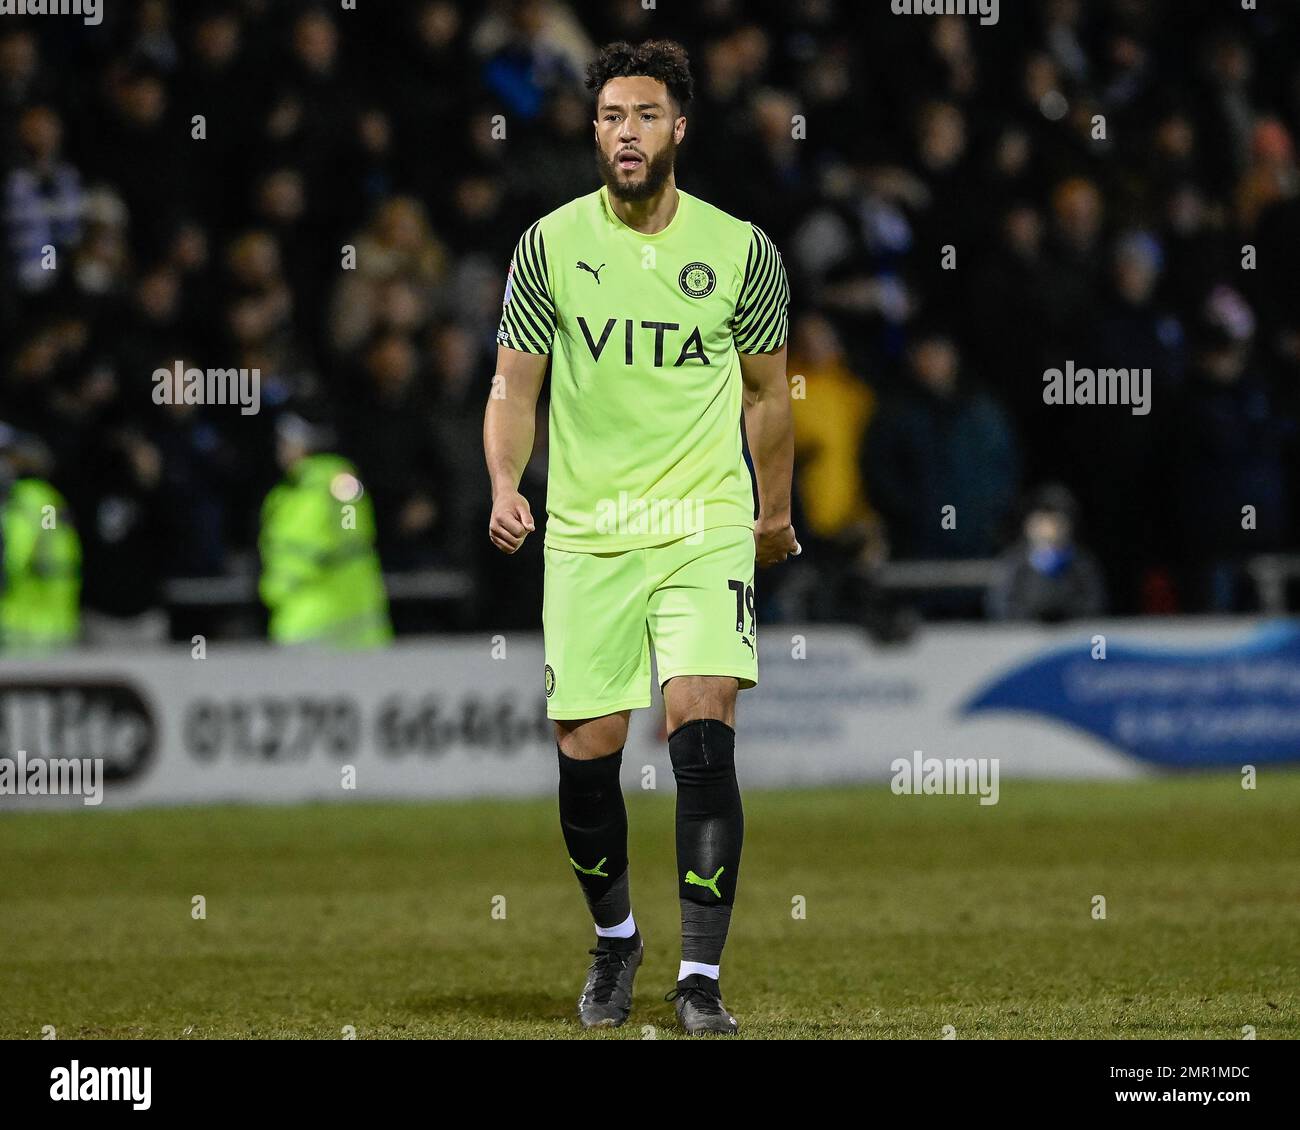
(662, 59)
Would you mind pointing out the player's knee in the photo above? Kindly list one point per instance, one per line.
(588, 738)
(689, 698)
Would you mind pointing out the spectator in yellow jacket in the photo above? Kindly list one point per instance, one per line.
(832, 408)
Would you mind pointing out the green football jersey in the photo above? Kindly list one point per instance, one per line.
(644, 333)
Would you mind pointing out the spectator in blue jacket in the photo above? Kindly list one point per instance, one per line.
(940, 462)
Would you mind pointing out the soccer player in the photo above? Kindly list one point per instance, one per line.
(661, 318)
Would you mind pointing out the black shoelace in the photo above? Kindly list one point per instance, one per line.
(704, 1000)
(607, 967)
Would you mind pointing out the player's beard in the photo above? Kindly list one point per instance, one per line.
(657, 172)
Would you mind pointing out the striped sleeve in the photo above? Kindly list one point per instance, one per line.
(761, 321)
(527, 311)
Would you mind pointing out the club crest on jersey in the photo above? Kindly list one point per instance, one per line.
(697, 280)
(549, 680)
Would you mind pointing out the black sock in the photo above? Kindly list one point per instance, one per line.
(710, 831)
(594, 821)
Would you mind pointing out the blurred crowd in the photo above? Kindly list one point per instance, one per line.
(959, 207)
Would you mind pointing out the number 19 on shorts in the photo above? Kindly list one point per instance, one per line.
(744, 605)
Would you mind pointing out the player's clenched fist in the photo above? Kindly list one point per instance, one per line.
(512, 521)
(774, 543)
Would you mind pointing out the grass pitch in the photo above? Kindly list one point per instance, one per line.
(921, 912)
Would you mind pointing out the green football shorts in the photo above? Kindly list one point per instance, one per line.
(692, 598)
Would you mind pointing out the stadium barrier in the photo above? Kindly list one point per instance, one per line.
(460, 716)
(241, 588)
(1270, 572)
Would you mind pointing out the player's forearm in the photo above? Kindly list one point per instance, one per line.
(508, 432)
(769, 427)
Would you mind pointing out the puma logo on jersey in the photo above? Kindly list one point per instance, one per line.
(593, 271)
(745, 641)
